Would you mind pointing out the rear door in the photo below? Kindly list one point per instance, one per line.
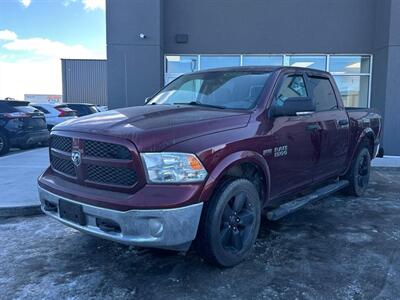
(333, 128)
(290, 143)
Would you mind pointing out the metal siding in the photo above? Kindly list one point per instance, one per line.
(84, 81)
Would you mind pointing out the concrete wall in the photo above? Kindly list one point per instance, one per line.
(386, 72)
(84, 81)
(135, 66)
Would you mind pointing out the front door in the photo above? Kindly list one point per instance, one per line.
(291, 144)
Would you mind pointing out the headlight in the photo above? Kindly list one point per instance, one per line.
(171, 167)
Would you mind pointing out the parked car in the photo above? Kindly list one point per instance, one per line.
(55, 113)
(102, 108)
(83, 109)
(21, 125)
(206, 156)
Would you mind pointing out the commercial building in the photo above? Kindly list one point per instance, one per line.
(150, 42)
(43, 98)
(84, 81)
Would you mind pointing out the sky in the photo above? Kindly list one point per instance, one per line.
(36, 34)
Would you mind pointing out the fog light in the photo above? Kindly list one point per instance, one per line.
(156, 227)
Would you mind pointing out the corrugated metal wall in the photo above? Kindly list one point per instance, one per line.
(84, 81)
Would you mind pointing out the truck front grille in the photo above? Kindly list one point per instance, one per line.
(106, 150)
(63, 165)
(111, 175)
(61, 143)
(98, 165)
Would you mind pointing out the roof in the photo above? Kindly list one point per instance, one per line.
(77, 103)
(15, 102)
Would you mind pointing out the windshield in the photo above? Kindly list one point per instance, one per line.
(234, 90)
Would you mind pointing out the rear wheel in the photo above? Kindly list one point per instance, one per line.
(359, 173)
(26, 146)
(230, 223)
(44, 144)
(4, 144)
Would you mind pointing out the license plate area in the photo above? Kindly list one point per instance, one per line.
(71, 212)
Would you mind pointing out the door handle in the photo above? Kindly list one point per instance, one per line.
(313, 127)
(343, 122)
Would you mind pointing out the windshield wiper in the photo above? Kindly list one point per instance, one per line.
(195, 103)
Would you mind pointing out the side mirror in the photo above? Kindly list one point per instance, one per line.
(294, 106)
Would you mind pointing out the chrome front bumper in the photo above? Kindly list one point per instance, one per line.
(159, 228)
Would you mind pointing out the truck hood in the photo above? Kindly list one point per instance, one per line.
(156, 127)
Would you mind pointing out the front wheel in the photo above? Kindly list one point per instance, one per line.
(359, 173)
(230, 223)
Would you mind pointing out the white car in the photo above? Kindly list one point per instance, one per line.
(55, 113)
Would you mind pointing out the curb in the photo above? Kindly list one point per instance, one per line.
(20, 211)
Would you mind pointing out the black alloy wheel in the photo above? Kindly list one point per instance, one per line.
(237, 222)
(230, 223)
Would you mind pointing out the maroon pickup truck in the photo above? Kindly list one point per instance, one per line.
(206, 156)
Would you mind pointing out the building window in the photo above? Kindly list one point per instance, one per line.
(262, 60)
(351, 72)
(352, 76)
(307, 61)
(354, 90)
(349, 64)
(176, 65)
(216, 61)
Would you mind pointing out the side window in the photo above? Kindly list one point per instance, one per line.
(322, 93)
(292, 86)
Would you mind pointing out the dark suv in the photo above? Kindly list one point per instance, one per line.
(21, 125)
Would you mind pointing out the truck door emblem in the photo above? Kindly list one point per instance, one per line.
(76, 158)
(280, 151)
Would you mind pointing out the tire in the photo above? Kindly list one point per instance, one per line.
(359, 173)
(44, 144)
(4, 144)
(26, 146)
(229, 224)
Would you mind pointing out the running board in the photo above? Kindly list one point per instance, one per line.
(298, 203)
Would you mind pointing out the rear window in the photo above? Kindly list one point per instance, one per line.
(93, 109)
(26, 109)
(5, 108)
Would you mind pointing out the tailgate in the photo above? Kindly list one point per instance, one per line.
(35, 121)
